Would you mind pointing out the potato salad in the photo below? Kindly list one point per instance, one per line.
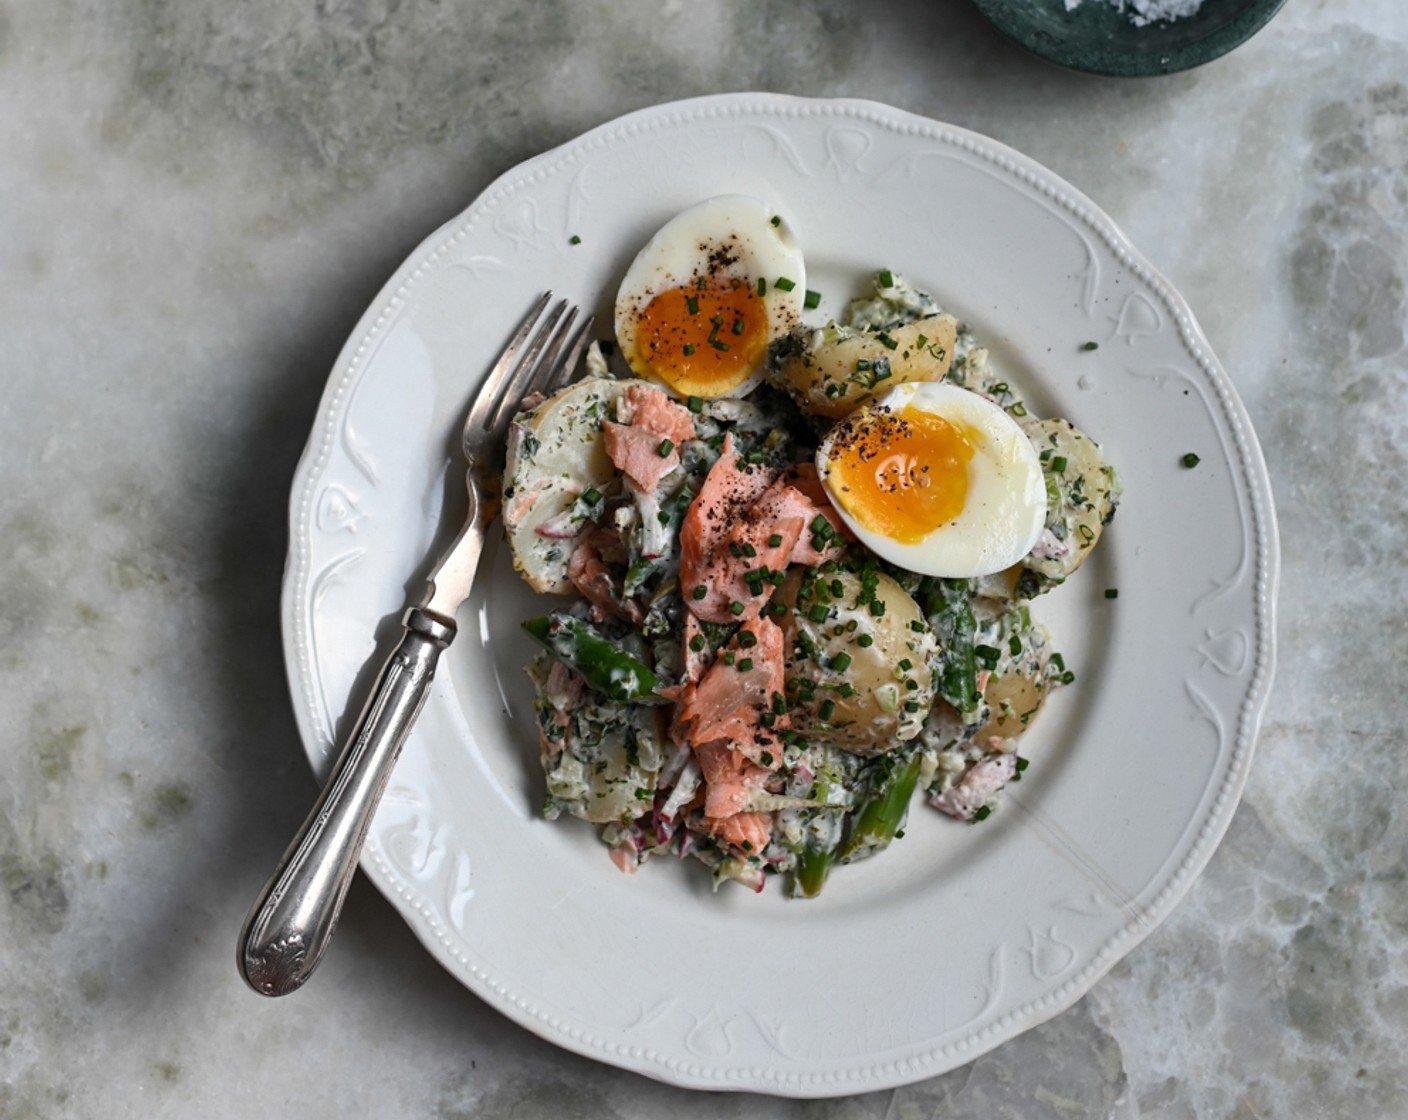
(789, 568)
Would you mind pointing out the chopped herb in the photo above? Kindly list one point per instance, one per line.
(688, 349)
(717, 344)
(574, 240)
(818, 613)
(1190, 460)
(886, 278)
(1091, 346)
(696, 404)
(775, 541)
(745, 664)
(811, 299)
(697, 643)
(737, 326)
(776, 220)
(735, 609)
(762, 286)
(1014, 643)
(692, 302)
(747, 639)
(1112, 592)
(827, 709)
(841, 662)
(865, 641)
(591, 496)
(700, 592)
(728, 658)
(1058, 464)
(886, 341)
(982, 814)
(783, 284)
(666, 446)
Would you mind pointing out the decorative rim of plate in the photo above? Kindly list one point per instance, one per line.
(918, 1062)
(1163, 48)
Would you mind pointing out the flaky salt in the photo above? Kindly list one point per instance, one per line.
(1143, 12)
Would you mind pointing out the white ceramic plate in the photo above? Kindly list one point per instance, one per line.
(960, 936)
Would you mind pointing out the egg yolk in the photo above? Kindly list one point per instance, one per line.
(705, 341)
(900, 474)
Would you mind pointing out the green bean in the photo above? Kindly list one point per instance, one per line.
(883, 812)
(813, 865)
(603, 665)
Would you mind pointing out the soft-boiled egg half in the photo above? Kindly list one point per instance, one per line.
(936, 479)
(706, 296)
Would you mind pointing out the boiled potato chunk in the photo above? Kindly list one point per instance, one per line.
(1015, 698)
(1081, 494)
(856, 679)
(840, 368)
(556, 453)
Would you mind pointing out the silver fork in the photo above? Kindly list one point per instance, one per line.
(292, 921)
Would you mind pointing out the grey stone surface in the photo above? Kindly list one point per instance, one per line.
(197, 200)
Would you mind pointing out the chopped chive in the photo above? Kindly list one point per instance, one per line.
(574, 240)
(906, 665)
(1091, 346)
(745, 664)
(982, 814)
(696, 404)
(1058, 464)
(688, 349)
(737, 326)
(776, 220)
(1190, 460)
(886, 341)
(846, 691)
(1014, 643)
(735, 609)
(700, 591)
(811, 299)
(666, 446)
(818, 613)
(921, 342)
(747, 639)
(783, 284)
(717, 345)
(841, 662)
(865, 641)
(728, 658)
(1112, 592)
(749, 551)
(591, 496)
(762, 286)
(775, 541)
(692, 302)
(886, 278)
(697, 643)
(863, 365)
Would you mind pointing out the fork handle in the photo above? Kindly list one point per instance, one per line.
(292, 921)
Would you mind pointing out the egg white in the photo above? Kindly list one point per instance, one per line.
(1005, 509)
(679, 252)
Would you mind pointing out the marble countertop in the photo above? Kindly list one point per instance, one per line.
(198, 200)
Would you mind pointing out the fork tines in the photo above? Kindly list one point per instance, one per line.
(541, 359)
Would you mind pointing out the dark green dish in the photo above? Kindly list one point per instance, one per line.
(1099, 39)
